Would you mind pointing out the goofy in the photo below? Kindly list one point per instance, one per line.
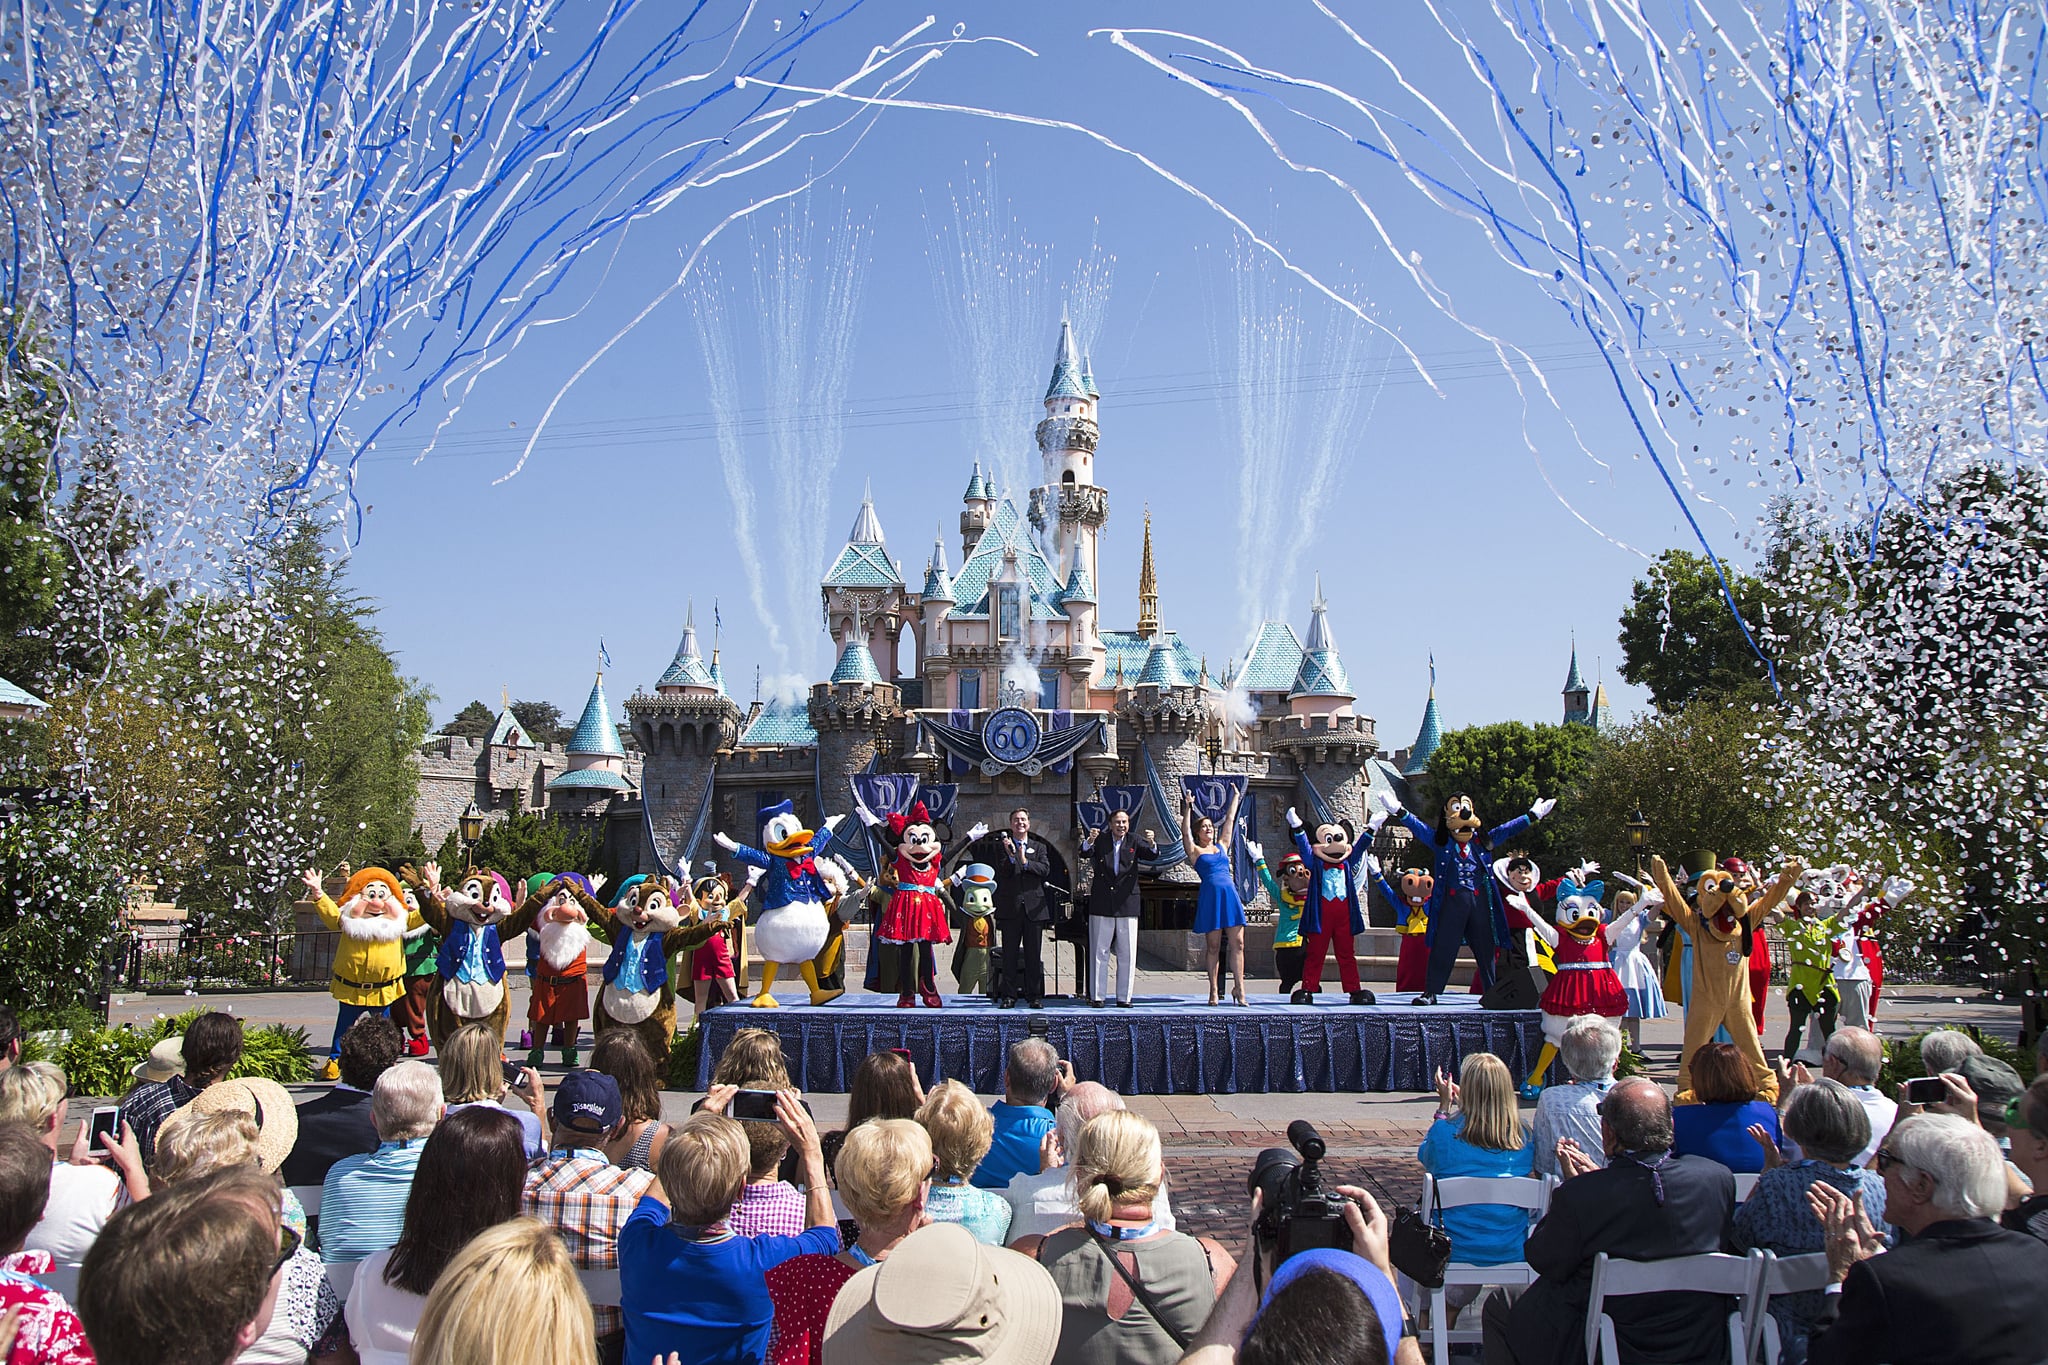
(1465, 904)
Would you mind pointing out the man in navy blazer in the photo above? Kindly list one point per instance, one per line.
(337, 1124)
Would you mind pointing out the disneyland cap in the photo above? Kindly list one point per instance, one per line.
(588, 1102)
(944, 1297)
(1371, 1280)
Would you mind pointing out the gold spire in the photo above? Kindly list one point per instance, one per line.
(1148, 587)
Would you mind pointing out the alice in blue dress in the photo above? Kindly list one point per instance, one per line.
(1217, 904)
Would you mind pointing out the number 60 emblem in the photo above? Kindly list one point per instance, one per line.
(1010, 735)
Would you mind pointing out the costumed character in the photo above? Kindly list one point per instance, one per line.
(1335, 908)
(471, 917)
(1289, 894)
(1585, 981)
(1409, 894)
(1717, 925)
(719, 963)
(422, 947)
(1625, 949)
(645, 925)
(872, 898)
(977, 883)
(793, 924)
(369, 958)
(844, 905)
(1759, 944)
(1809, 969)
(1524, 967)
(1465, 905)
(1840, 891)
(915, 918)
(561, 967)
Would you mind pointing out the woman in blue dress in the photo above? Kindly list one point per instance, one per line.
(1219, 912)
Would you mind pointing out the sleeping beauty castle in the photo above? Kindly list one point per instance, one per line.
(1020, 694)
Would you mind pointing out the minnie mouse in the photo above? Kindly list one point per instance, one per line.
(915, 918)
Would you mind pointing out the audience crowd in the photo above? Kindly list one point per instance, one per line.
(582, 1227)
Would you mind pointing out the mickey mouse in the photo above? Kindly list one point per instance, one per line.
(1336, 904)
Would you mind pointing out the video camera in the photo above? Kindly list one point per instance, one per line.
(1296, 1213)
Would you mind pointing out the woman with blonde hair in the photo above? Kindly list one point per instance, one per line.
(509, 1297)
(1132, 1293)
(885, 1176)
(1478, 1131)
(753, 1060)
(83, 1193)
(473, 1072)
(961, 1133)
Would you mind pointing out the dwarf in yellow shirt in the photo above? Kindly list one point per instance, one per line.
(369, 958)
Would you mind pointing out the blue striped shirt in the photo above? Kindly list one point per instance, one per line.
(362, 1201)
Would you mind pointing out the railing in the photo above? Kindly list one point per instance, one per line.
(213, 960)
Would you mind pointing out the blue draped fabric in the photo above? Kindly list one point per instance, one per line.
(1171, 850)
(1093, 815)
(1167, 1046)
(941, 800)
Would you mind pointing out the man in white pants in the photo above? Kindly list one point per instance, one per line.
(1113, 906)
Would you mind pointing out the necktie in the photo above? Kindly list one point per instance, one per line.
(1116, 858)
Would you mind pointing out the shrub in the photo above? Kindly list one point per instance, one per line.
(682, 1059)
(101, 1061)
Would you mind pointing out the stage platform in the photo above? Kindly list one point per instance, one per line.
(1164, 1045)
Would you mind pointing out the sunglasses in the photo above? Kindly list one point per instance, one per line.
(2016, 1114)
(1886, 1159)
(288, 1244)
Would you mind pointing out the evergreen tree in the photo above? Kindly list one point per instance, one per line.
(474, 721)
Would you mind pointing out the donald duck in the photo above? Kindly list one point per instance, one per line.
(797, 889)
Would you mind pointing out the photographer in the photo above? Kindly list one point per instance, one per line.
(1321, 1307)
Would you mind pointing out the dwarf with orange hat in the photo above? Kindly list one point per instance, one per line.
(369, 958)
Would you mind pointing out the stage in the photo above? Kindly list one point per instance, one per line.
(1164, 1045)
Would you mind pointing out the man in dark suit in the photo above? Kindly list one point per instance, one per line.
(1024, 909)
(1645, 1205)
(1958, 1286)
(1113, 906)
(337, 1124)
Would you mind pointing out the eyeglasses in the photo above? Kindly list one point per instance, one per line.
(288, 1244)
(2016, 1114)
(1886, 1159)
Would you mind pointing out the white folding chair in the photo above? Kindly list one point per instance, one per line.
(1530, 1193)
(601, 1287)
(1791, 1275)
(309, 1198)
(1745, 1184)
(341, 1277)
(1707, 1273)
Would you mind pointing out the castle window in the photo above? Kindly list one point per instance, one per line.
(1009, 623)
(970, 689)
(1067, 477)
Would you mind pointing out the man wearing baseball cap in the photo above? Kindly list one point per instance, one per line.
(577, 1191)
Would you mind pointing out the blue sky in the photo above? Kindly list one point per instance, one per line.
(1440, 535)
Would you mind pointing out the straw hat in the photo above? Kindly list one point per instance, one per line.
(941, 1296)
(270, 1104)
(165, 1060)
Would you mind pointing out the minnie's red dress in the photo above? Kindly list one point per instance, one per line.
(915, 914)
(1586, 982)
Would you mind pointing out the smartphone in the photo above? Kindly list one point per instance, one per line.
(753, 1106)
(904, 1053)
(106, 1129)
(1926, 1090)
(513, 1071)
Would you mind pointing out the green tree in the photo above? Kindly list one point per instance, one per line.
(1679, 640)
(1703, 777)
(1506, 768)
(543, 721)
(62, 883)
(31, 558)
(522, 844)
(473, 721)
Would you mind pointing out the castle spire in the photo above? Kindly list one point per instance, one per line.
(1066, 368)
(1148, 586)
(1429, 736)
(1578, 708)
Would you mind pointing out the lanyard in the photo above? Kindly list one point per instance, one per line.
(1117, 1234)
(860, 1255)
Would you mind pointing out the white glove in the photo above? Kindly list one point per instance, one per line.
(978, 829)
(1373, 823)
(1293, 820)
(832, 822)
(754, 875)
(1896, 889)
(596, 882)
(1543, 807)
(1372, 865)
(1387, 802)
(867, 817)
(725, 843)
(1256, 849)
(958, 878)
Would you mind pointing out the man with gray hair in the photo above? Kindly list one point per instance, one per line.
(1589, 1049)
(1644, 1205)
(1031, 1086)
(1047, 1201)
(362, 1201)
(1945, 1050)
(1854, 1057)
(1958, 1287)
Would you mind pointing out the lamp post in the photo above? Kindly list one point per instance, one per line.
(1212, 749)
(471, 825)
(1638, 827)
